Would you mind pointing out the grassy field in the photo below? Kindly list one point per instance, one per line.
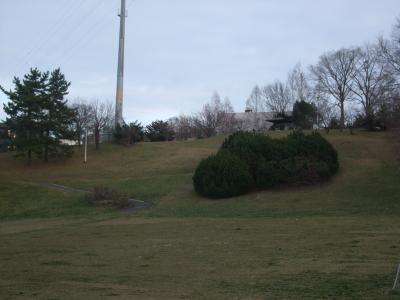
(335, 241)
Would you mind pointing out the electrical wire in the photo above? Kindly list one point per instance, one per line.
(68, 12)
(84, 39)
(89, 36)
(63, 40)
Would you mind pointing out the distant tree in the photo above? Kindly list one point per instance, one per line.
(373, 83)
(255, 102)
(298, 85)
(129, 134)
(255, 106)
(83, 118)
(136, 132)
(326, 111)
(277, 98)
(159, 131)
(38, 115)
(390, 48)
(58, 118)
(334, 123)
(334, 74)
(184, 127)
(227, 122)
(103, 119)
(216, 117)
(24, 113)
(304, 114)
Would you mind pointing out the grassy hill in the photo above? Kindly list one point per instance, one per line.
(339, 240)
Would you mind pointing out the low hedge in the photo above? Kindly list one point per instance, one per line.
(250, 160)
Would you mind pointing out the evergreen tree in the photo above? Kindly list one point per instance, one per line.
(159, 131)
(59, 119)
(304, 114)
(25, 113)
(129, 134)
(38, 115)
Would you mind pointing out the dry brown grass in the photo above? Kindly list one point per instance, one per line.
(334, 241)
(130, 258)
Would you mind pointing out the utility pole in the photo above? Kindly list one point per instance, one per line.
(120, 73)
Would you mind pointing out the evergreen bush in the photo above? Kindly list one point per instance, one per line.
(246, 158)
(222, 175)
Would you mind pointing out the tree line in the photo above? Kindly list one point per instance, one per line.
(356, 86)
(215, 118)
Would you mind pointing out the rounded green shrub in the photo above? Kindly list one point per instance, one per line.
(247, 158)
(252, 147)
(303, 170)
(222, 175)
(312, 146)
(268, 174)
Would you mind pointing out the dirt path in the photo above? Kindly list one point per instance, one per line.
(136, 205)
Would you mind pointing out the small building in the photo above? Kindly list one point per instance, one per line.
(281, 122)
(262, 121)
(253, 121)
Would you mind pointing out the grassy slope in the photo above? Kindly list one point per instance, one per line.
(336, 240)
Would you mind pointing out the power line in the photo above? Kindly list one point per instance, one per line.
(66, 37)
(54, 29)
(86, 38)
(89, 35)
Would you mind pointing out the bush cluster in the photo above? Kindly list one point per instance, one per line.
(106, 196)
(252, 160)
(222, 175)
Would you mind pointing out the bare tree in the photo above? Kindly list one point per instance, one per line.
(184, 127)
(84, 117)
(103, 118)
(326, 111)
(391, 48)
(277, 97)
(227, 121)
(335, 73)
(373, 83)
(255, 102)
(255, 106)
(298, 86)
(215, 118)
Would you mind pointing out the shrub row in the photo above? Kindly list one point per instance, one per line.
(251, 160)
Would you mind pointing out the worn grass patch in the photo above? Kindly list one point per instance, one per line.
(24, 200)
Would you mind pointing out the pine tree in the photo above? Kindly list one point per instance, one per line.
(25, 113)
(59, 118)
(38, 115)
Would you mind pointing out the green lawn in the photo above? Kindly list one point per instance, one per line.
(339, 240)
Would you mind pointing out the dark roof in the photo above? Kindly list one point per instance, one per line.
(280, 120)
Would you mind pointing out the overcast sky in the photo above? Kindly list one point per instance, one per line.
(178, 52)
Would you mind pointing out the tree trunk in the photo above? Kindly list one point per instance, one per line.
(341, 115)
(46, 147)
(97, 137)
(29, 156)
(79, 133)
